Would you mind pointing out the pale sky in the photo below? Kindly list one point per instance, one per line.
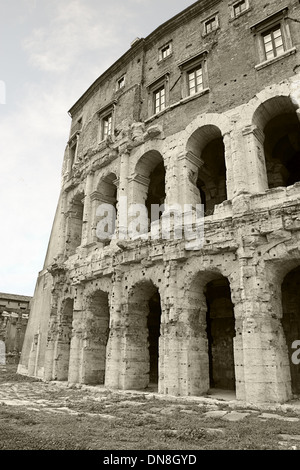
(50, 53)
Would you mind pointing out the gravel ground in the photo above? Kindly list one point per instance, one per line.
(35, 415)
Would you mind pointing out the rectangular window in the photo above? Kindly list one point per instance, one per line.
(239, 7)
(159, 100)
(273, 42)
(195, 80)
(211, 25)
(166, 51)
(273, 38)
(106, 126)
(121, 82)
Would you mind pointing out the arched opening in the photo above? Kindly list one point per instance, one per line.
(151, 190)
(74, 225)
(156, 190)
(107, 190)
(279, 122)
(64, 340)
(144, 317)
(290, 290)
(220, 333)
(207, 144)
(153, 324)
(96, 334)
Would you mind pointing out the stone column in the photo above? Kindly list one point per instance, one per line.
(169, 342)
(53, 328)
(114, 344)
(95, 201)
(34, 355)
(122, 207)
(173, 180)
(95, 336)
(193, 349)
(86, 238)
(137, 194)
(189, 164)
(255, 159)
(134, 372)
(51, 346)
(262, 368)
(62, 342)
(230, 163)
(185, 344)
(76, 347)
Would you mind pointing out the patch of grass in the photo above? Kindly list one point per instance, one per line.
(134, 427)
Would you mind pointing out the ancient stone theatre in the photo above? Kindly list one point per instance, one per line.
(203, 111)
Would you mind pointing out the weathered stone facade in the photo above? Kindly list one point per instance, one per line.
(14, 314)
(132, 313)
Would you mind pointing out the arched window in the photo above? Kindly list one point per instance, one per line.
(207, 144)
(150, 178)
(279, 123)
(107, 194)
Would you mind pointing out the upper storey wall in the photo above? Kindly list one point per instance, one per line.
(233, 65)
(125, 100)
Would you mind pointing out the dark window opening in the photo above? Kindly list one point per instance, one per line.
(220, 334)
(290, 290)
(239, 7)
(282, 150)
(165, 51)
(153, 324)
(72, 153)
(156, 191)
(108, 195)
(211, 180)
(211, 25)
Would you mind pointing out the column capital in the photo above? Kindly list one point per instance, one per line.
(191, 157)
(139, 179)
(256, 131)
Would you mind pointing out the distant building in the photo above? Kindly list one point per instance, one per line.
(14, 314)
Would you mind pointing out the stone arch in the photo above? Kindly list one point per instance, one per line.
(107, 186)
(150, 185)
(142, 335)
(278, 139)
(107, 193)
(207, 149)
(211, 322)
(210, 119)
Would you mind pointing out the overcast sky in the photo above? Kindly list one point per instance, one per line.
(50, 53)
